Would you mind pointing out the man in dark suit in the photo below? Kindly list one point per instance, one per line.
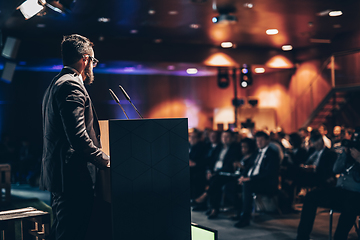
(71, 141)
(220, 165)
(344, 197)
(261, 177)
(317, 170)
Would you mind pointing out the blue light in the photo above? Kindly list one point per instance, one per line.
(214, 19)
(244, 71)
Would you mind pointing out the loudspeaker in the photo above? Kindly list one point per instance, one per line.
(8, 71)
(11, 48)
(223, 77)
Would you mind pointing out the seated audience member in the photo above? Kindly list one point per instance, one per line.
(338, 136)
(197, 164)
(213, 146)
(205, 136)
(232, 189)
(344, 197)
(323, 131)
(348, 133)
(290, 168)
(317, 170)
(261, 177)
(220, 167)
(305, 137)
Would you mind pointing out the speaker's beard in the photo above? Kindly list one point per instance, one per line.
(89, 75)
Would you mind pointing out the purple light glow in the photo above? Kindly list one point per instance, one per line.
(119, 67)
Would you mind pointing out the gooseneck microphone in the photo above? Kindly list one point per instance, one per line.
(117, 101)
(128, 98)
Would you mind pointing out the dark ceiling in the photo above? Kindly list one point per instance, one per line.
(162, 25)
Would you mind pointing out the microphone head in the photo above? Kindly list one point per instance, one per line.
(114, 96)
(125, 94)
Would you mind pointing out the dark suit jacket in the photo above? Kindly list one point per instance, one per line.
(232, 155)
(269, 169)
(71, 136)
(324, 170)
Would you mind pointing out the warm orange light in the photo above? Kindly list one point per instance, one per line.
(177, 109)
(271, 97)
(223, 115)
(279, 62)
(220, 60)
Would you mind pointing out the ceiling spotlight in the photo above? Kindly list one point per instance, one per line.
(248, 5)
(286, 47)
(104, 19)
(194, 26)
(259, 70)
(335, 13)
(226, 44)
(223, 79)
(158, 40)
(134, 31)
(173, 12)
(191, 71)
(151, 11)
(272, 31)
(224, 18)
(30, 8)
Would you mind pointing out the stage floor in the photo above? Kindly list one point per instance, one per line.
(263, 226)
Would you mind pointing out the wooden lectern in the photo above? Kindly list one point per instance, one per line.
(148, 182)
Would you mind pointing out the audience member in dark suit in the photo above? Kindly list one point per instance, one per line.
(232, 189)
(71, 141)
(213, 146)
(218, 173)
(345, 197)
(317, 170)
(290, 168)
(261, 177)
(212, 149)
(197, 164)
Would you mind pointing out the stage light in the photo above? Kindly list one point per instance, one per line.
(335, 13)
(245, 76)
(103, 19)
(272, 31)
(223, 77)
(224, 18)
(243, 84)
(286, 47)
(191, 71)
(259, 70)
(226, 44)
(30, 8)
